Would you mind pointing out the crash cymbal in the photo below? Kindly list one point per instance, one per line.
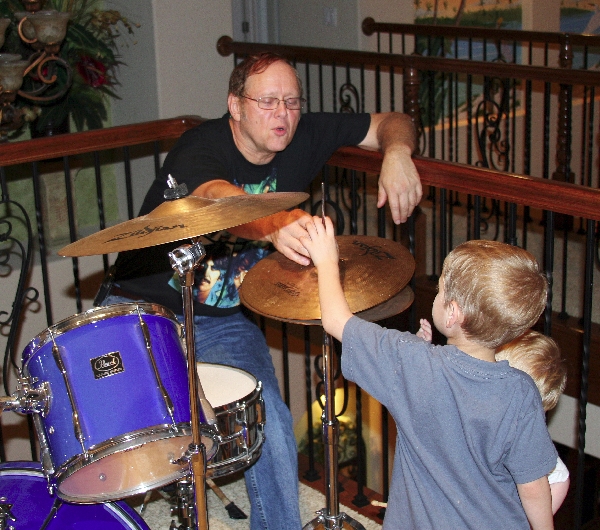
(372, 271)
(181, 219)
(394, 306)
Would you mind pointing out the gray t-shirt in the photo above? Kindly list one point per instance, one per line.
(468, 430)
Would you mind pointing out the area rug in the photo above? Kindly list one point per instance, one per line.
(158, 517)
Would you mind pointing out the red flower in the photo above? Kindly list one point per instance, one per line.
(92, 71)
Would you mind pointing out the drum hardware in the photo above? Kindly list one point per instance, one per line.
(234, 511)
(161, 387)
(5, 513)
(27, 399)
(374, 274)
(184, 507)
(184, 260)
(76, 424)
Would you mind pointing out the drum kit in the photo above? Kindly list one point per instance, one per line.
(121, 407)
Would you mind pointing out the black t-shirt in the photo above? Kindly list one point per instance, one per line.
(208, 152)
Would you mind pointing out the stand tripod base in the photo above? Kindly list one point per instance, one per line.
(331, 522)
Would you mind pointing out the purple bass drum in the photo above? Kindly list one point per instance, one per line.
(24, 486)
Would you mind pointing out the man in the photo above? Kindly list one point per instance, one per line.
(262, 144)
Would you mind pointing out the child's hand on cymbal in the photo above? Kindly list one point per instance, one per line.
(320, 241)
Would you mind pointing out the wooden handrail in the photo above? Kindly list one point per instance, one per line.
(559, 197)
(226, 46)
(370, 26)
(97, 140)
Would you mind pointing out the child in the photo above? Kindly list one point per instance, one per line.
(473, 450)
(539, 357)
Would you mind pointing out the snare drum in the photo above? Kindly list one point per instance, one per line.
(119, 409)
(235, 396)
(23, 485)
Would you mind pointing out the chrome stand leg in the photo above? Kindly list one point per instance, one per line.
(330, 517)
(185, 260)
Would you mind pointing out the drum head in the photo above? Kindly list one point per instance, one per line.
(223, 385)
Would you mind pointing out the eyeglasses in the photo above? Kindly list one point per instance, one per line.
(269, 103)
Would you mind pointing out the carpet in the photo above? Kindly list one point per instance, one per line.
(158, 517)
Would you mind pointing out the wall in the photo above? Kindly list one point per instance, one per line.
(173, 67)
(318, 23)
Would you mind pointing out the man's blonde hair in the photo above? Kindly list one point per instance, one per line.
(539, 356)
(499, 288)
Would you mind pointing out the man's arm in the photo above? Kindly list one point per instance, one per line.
(283, 229)
(537, 503)
(394, 135)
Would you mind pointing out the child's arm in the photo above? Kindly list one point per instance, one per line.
(559, 491)
(323, 250)
(537, 503)
(425, 330)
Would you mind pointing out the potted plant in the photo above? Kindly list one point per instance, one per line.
(90, 48)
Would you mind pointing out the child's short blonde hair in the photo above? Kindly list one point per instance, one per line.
(500, 289)
(538, 356)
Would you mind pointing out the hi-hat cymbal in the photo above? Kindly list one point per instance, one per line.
(372, 270)
(181, 219)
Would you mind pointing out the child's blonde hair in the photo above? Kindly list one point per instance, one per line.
(538, 356)
(500, 289)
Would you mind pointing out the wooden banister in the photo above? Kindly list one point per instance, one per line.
(370, 27)
(559, 197)
(96, 140)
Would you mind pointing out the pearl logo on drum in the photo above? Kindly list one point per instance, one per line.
(107, 365)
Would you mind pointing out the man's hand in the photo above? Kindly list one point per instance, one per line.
(394, 135)
(283, 229)
(286, 238)
(399, 184)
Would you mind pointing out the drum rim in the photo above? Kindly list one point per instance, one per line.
(91, 316)
(221, 468)
(121, 444)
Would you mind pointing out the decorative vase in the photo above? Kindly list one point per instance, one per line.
(50, 129)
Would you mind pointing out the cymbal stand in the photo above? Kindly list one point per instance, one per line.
(184, 260)
(330, 517)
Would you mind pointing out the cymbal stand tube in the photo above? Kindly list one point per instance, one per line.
(185, 260)
(330, 517)
(330, 431)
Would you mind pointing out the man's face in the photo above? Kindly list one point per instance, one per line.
(260, 133)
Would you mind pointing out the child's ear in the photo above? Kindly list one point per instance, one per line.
(454, 314)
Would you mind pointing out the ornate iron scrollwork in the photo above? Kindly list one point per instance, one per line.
(13, 250)
(349, 98)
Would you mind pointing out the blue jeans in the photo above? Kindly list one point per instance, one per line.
(272, 482)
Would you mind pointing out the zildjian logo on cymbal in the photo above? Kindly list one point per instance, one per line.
(375, 251)
(144, 232)
(288, 289)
